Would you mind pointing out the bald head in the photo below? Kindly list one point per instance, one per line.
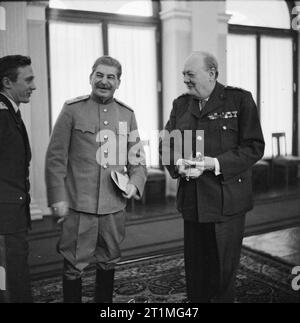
(200, 73)
(205, 60)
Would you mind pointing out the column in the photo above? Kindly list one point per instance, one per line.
(176, 46)
(36, 25)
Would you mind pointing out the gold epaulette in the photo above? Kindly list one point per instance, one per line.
(3, 106)
(124, 105)
(78, 99)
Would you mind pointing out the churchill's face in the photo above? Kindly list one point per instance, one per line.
(197, 77)
(104, 81)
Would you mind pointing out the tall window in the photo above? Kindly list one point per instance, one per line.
(81, 31)
(260, 53)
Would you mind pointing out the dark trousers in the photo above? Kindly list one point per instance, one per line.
(212, 254)
(14, 273)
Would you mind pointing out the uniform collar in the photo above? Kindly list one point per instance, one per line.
(13, 103)
(100, 101)
(213, 102)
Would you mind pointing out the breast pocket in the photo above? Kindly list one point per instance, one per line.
(229, 133)
(85, 128)
(84, 138)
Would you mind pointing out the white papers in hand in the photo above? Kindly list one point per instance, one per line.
(121, 180)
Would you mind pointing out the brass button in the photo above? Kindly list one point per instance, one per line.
(105, 153)
(224, 128)
(20, 198)
(105, 123)
(105, 110)
(105, 166)
(105, 137)
(199, 138)
(240, 180)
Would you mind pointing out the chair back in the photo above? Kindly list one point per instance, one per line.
(278, 138)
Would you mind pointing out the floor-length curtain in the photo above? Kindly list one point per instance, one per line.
(241, 62)
(73, 50)
(276, 89)
(135, 47)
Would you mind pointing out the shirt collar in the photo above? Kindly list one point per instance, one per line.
(13, 103)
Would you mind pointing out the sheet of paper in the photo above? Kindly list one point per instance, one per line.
(121, 180)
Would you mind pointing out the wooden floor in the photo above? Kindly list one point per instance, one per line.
(157, 228)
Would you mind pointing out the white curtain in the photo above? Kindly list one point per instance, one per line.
(241, 62)
(135, 48)
(73, 49)
(276, 89)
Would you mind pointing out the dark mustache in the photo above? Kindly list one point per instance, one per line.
(105, 87)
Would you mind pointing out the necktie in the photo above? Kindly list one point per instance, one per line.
(18, 113)
(202, 103)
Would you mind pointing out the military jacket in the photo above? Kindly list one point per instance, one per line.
(88, 141)
(15, 156)
(232, 134)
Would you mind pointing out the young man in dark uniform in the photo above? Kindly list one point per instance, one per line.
(216, 193)
(16, 86)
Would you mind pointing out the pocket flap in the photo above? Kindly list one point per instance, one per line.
(85, 127)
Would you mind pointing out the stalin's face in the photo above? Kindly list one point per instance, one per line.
(104, 82)
(197, 78)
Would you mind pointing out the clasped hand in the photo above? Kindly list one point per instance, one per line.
(193, 168)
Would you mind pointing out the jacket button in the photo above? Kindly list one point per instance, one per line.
(20, 198)
(105, 110)
(199, 138)
(105, 137)
(240, 180)
(105, 166)
(106, 153)
(224, 128)
(105, 123)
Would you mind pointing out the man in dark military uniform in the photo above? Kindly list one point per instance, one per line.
(16, 86)
(215, 190)
(93, 136)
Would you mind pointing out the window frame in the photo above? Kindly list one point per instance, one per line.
(103, 18)
(258, 32)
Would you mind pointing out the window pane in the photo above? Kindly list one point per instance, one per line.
(241, 62)
(124, 7)
(276, 89)
(265, 13)
(135, 48)
(73, 50)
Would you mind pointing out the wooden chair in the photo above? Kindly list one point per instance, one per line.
(283, 165)
(261, 176)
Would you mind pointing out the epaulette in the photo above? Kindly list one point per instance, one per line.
(78, 99)
(183, 95)
(124, 105)
(3, 106)
(234, 88)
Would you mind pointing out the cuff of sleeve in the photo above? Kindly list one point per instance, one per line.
(56, 194)
(217, 167)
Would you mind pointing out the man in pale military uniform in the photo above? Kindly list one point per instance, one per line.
(92, 135)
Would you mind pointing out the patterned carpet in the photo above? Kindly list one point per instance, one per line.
(261, 279)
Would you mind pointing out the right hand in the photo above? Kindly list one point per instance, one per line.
(61, 210)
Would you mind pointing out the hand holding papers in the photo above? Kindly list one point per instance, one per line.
(121, 180)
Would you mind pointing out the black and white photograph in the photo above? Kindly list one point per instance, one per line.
(149, 154)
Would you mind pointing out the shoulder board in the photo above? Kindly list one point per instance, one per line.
(183, 95)
(123, 105)
(78, 99)
(3, 106)
(234, 88)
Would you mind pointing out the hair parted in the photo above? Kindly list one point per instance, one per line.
(9, 66)
(109, 61)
